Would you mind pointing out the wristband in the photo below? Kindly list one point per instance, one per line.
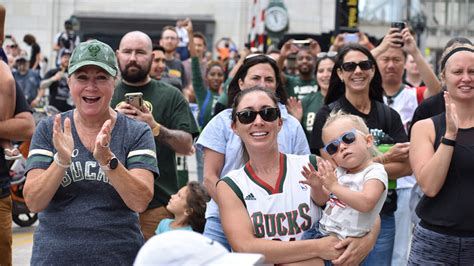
(156, 130)
(448, 142)
(58, 162)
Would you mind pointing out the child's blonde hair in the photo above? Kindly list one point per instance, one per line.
(356, 121)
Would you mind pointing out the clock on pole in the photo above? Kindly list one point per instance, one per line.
(277, 20)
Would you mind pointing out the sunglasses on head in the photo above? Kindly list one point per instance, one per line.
(351, 66)
(268, 114)
(348, 138)
(256, 55)
(328, 54)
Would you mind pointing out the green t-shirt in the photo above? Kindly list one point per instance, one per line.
(206, 99)
(170, 109)
(311, 104)
(297, 87)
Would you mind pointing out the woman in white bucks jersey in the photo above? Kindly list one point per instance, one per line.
(265, 201)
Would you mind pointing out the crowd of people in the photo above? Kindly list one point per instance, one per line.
(323, 164)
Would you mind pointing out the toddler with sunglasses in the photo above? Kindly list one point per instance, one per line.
(355, 191)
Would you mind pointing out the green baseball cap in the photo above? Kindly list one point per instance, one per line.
(95, 53)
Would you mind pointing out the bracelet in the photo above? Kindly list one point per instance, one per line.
(382, 159)
(448, 142)
(58, 162)
(156, 129)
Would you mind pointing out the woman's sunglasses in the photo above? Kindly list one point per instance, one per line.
(268, 114)
(348, 138)
(351, 66)
(328, 54)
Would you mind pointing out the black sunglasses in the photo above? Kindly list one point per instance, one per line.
(348, 138)
(268, 114)
(351, 66)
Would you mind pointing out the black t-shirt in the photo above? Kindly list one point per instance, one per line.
(394, 128)
(35, 49)
(20, 106)
(58, 92)
(429, 107)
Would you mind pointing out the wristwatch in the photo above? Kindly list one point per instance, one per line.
(111, 165)
(156, 130)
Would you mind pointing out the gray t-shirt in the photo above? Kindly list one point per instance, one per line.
(87, 222)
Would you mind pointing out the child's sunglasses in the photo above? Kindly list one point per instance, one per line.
(348, 138)
(351, 66)
(268, 114)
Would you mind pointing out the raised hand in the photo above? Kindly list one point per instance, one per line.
(288, 48)
(409, 42)
(314, 47)
(188, 25)
(62, 139)
(312, 177)
(452, 121)
(295, 108)
(102, 142)
(327, 174)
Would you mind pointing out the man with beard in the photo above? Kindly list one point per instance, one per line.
(169, 40)
(305, 82)
(167, 113)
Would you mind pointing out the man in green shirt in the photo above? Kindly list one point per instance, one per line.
(167, 113)
(305, 82)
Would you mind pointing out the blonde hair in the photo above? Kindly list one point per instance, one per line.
(356, 121)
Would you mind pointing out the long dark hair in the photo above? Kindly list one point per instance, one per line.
(337, 88)
(249, 62)
(196, 201)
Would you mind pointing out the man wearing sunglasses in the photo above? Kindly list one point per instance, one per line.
(305, 82)
(391, 60)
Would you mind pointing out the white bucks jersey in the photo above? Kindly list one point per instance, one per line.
(282, 212)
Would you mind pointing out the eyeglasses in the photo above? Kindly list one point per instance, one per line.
(351, 66)
(328, 54)
(268, 114)
(348, 138)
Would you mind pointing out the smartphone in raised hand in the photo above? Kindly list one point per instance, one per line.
(134, 99)
(400, 25)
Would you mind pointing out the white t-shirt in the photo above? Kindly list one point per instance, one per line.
(405, 103)
(344, 221)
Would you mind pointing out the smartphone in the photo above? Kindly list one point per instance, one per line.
(301, 42)
(351, 37)
(134, 99)
(400, 25)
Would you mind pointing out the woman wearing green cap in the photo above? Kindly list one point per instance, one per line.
(89, 171)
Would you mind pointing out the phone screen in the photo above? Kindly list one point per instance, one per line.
(351, 37)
